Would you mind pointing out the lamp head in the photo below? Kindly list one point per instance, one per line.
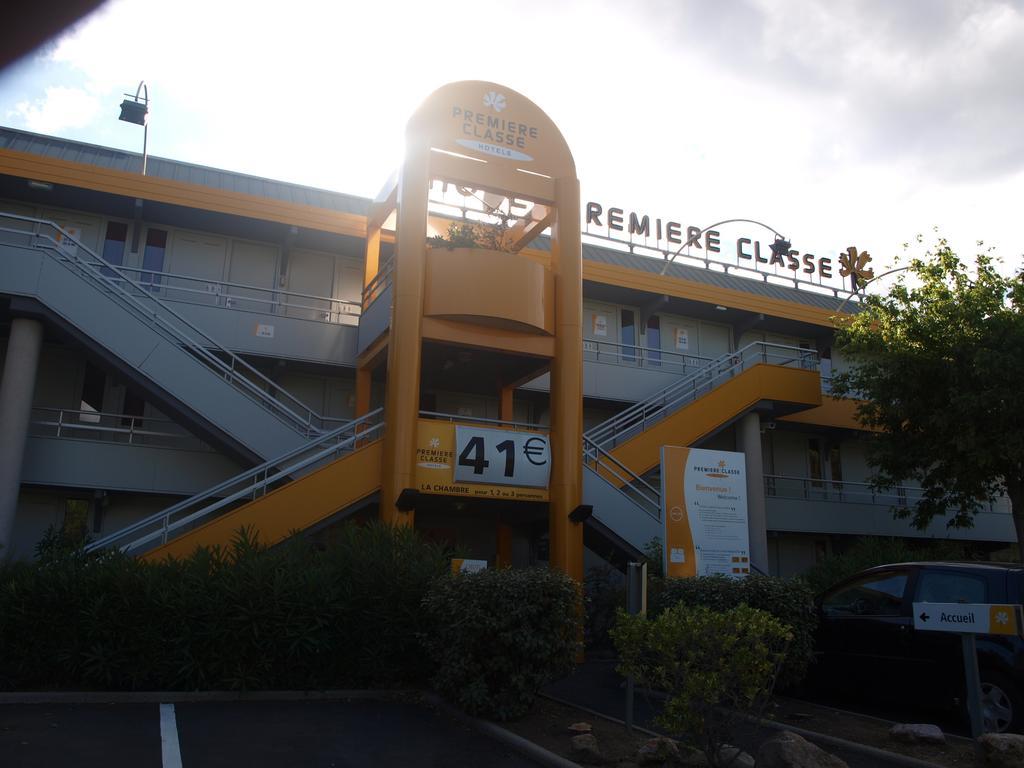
(407, 500)
(581, 513)
(134, 112)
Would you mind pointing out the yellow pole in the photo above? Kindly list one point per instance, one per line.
(566, 537)
(364, 377)
(401, 405)
(505, 409)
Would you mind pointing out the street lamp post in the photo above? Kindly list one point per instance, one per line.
(136, 110)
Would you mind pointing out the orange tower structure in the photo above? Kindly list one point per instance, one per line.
(523, 312)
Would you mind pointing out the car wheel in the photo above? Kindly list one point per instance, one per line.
(1002, 708)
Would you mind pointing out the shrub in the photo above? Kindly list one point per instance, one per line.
(497, 636)
(604, 594)
(876, 550)
(788, 600)
(242, 617)
(716, 666)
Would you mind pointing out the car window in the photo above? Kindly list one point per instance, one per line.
(945, 587)
(880, 594)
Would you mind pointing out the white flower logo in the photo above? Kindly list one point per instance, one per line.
(495, 101)
(1002, 617)
(435, 442)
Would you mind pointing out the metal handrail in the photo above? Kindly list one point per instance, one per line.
(273, 303)
(638, 417)
(379, 282)
(453, 417)
(843, 491)
(235, 371)
(78, 423)
(254, 483)
(640, 356)
(598, 459)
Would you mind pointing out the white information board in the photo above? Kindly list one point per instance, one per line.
(705, 511)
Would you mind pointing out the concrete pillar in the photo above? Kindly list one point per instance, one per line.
(748, 433)
(16, 390)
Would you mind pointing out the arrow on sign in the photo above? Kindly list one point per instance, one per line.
(924, 616)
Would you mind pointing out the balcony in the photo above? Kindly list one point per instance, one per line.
(810, 505)
(114, 451)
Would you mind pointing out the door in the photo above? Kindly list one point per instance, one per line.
(349, 289)
(85, 229)
(197, 261)
(715, 340)
(253, 265)
(600, 332)
(310, 276)
(680, 338)
(629, 336)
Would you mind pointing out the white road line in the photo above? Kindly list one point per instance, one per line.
(169, 749)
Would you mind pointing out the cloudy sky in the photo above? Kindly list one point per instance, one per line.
(839, 123)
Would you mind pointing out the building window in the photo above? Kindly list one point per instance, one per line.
(814, 463)
(94, 383)
(654, 340)
(153, 256)
(628, 336)
(835, 467)
(134, 408)
(76, 519)
(113, 246)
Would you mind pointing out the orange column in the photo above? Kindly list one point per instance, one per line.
(401, 405)
(505, 411)
(504, 556)
(364, 380)
(372, 263)
(566, 537)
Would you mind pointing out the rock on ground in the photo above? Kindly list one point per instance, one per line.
(788, 750)
(734, 757)
(917, 733)
(581, 727)
(1003, 750)
(585, 750)
(658, 751)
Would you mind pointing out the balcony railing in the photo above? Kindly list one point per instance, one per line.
(636, 356)
(495, 423)
(111, 428)
(846, 492)
(240, 296)
(380, 282)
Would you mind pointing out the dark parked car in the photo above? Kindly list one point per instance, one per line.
(867, 642)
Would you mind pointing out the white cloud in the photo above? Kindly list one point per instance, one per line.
(60, 109)
(860, 123)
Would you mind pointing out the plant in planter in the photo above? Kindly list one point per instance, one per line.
(469, 234)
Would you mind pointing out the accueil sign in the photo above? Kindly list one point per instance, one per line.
(671, 236)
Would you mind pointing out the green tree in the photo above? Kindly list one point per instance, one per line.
(938, 367)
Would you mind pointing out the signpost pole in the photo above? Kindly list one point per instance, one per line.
(636, 603)
(973, 684)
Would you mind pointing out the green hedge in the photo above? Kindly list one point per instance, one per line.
(877, 550)
(788, 600)
(246, 617)
(498, 636)
(375, 606)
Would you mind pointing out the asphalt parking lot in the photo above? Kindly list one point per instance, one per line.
(349, 734)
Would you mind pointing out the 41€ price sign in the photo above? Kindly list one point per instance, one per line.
(501, 457)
